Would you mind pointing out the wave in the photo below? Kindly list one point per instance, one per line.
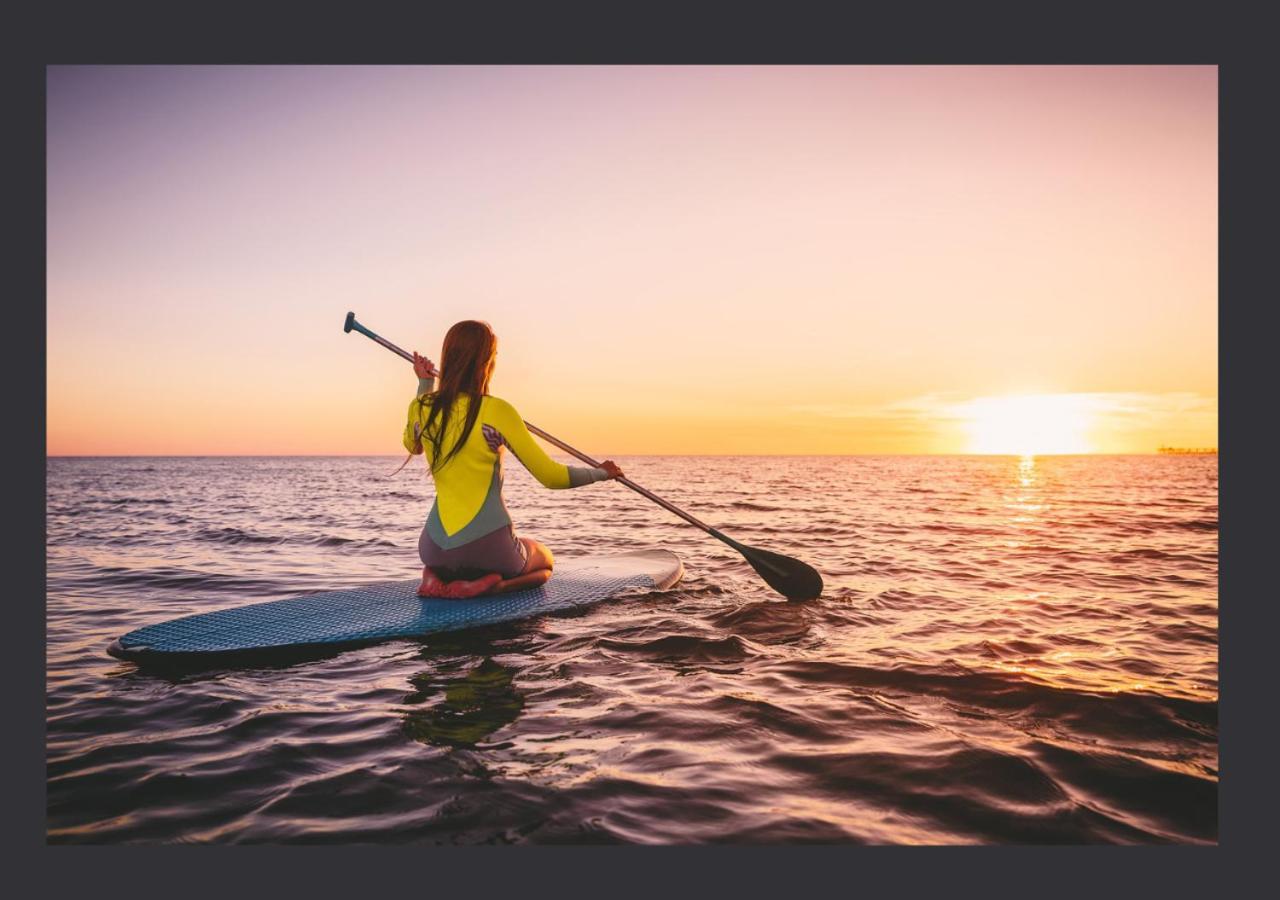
(1148, 715)
(684, 648)
(235, 536)
(335, 541)
(172, 578)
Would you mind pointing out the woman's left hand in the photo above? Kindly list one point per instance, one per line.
(612, 468)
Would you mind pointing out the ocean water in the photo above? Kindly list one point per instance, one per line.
(1007, 651)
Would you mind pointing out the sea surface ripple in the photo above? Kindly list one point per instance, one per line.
(1007, 651)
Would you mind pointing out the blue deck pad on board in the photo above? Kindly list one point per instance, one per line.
(393, 609)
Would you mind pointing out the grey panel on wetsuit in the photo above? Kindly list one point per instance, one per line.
(580, 475)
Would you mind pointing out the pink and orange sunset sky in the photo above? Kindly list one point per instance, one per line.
(676, 260)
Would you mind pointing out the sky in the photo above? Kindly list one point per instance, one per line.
(703, 260)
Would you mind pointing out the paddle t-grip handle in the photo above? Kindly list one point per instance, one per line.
(352, 325)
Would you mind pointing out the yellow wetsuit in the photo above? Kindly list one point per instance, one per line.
(468, 504)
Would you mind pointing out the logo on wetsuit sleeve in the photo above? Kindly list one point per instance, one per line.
(493, 437)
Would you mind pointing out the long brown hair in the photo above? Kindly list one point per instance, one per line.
(466, 365)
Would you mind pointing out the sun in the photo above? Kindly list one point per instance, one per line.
(1028, 424)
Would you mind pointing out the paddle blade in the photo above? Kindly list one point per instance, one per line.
(789, 577)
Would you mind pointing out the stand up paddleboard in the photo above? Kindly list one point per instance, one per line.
(391, 609)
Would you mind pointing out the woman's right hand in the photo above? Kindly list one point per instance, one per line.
(612, 468)
(423, 367)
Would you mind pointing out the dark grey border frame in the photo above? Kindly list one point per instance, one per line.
(1022, 33)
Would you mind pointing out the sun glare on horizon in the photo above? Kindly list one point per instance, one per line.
(1028, 424)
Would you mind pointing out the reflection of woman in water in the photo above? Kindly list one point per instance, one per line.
(473, 707)
(468, 537)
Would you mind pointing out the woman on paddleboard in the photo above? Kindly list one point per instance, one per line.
(469, 545)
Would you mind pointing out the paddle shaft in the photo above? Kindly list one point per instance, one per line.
(534, 429)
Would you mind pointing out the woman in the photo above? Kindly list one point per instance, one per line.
(468, 545)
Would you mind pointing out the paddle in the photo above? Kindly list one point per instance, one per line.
(790, 577)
